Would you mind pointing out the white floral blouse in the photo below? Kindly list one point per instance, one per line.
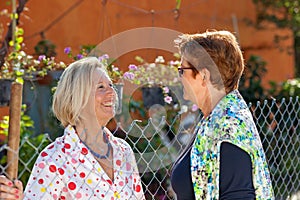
(67, 170)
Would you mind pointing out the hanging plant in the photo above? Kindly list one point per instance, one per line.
(45, 47)
(159, 75)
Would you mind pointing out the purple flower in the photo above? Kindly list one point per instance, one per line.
(79, 56)
(129, 75)
(67, 50)
(103, 57)
(41, 57)
(132, 67)
(168, 99)
(194, 107)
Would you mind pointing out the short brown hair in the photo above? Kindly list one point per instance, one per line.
(219, 52)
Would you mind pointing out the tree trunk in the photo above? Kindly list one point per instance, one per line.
(297, 55)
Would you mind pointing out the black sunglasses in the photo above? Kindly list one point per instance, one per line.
(181, 69)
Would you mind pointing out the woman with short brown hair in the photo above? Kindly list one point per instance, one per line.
(225, 159)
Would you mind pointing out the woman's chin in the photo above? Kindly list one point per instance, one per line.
(108, 112)
(186, 96)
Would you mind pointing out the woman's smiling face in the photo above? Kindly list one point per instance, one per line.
(105, 97)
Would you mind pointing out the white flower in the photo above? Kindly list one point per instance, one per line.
(292, 81)
(36, 62)
(174, 62)
(159, 59)
(183, 109)
(175, 80)
(152, 65)
(22, 53)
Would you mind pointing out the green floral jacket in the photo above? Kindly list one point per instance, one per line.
(230, 121)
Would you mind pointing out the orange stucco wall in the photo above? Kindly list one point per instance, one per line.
(74, 23)
(92, 21)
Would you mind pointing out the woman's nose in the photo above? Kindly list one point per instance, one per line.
(111, 91)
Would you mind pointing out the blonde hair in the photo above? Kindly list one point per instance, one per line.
(73, 90)
(219, 52)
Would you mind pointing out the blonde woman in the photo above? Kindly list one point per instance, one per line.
(87, 162)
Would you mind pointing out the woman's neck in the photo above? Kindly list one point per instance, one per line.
(91, 134)
(212, 100)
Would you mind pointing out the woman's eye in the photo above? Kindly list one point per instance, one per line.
(101, 86)
(111, 85)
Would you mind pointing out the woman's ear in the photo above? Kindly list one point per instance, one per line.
(205, 74)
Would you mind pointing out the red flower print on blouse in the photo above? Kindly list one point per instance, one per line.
(66, 170)
(52, 168)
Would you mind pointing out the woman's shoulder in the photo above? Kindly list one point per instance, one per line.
(52, 150)
(118, 141)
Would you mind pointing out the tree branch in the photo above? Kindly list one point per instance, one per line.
(5, 43)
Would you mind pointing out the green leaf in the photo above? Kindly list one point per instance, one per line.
(178, 2)
(11, 43)
(28, 124)
(20, 80)
(3, 125)
(18, 47)
(26, 117)
(14, 16)
(139, 59)
(19, 73)
(20, 31)
(19, 39)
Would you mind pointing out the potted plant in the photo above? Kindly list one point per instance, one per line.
(19, 66)
(155, 79)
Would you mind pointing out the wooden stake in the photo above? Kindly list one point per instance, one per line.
(14, 130)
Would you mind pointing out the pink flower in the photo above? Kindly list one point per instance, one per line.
(115, 69)
(172, 62)
(166, 90)
(41, 57)
(168, 99)
(194, 107)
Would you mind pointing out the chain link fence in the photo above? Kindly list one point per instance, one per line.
(158, 143)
